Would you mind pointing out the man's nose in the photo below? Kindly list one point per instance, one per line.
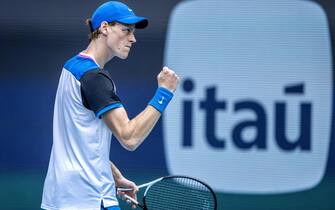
(132, 38)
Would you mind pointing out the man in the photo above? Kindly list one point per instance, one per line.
(87, 111)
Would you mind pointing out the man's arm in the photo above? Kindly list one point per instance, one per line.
(115, 171)
(121, 181)
(131, 133)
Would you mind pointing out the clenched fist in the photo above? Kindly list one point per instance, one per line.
(168, 79)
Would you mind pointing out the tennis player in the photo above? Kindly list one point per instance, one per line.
(87, 111)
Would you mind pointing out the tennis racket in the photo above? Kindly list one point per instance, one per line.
(175, 193)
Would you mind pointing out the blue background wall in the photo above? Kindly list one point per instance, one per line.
(36, 38)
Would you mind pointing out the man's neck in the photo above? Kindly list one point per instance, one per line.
(98, 51)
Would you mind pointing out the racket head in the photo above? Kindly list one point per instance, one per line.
(179, 192)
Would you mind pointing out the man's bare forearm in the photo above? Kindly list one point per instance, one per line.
(115, 171)
(131, 133)
(141, 126)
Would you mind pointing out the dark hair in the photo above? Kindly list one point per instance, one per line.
(94, 34)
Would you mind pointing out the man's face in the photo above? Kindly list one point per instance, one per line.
(120, 39)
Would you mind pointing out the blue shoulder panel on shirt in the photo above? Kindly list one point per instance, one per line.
(79, 65)
(107, 108)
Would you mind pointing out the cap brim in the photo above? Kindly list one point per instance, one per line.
(140, 22)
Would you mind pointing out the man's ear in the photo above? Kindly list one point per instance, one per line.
(103, 27)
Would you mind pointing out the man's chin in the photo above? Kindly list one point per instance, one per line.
(123, 56)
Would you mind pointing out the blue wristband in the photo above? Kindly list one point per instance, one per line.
(161, 99)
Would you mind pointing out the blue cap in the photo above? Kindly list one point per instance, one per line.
(116, 11)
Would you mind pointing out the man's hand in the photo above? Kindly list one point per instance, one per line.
(168, 79)
(122, 182)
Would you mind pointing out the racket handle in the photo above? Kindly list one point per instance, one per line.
(131, 189)
(125, 189)
(131, 199)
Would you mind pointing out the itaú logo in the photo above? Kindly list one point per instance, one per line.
(253, 113)
(212, 106)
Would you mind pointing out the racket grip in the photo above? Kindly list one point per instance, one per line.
(131, 199)
(125, 189)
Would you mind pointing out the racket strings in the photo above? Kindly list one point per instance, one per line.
(182, 196)
(179, 193)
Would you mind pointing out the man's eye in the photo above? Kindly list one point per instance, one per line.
(128, 30)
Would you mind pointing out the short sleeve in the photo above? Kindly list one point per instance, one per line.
(98, 92)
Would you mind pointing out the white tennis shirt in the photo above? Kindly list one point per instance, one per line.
(79, 174)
